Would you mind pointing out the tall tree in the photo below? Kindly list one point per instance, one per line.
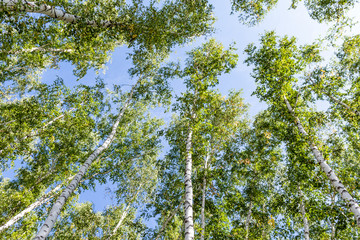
(276, 63)
(200, 74)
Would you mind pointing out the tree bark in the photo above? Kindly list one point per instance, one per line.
(123, 215)
(60, 202)
(202, 237)
(39, 202)
(34, 205)
(263, 231)
(338, 101)
(188, 206)
(247, 223)
(334, 180)
(37, 49)
(172, 214)
(305, 220)
(58, 14)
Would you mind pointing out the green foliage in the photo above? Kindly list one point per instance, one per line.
(258, 173)
(251, 12)
(31, 43)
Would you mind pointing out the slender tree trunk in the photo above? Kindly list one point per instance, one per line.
(335, 182)
(58, 14)
(305, 220)
(202, 237)
(337, 100)
(60, 202)
(172, 214)
(247, 223)
(263, 232)
(118, 225)
(34, 205)
(344, 105)
(333, 230)
(39, 202)
(37, 49)
(182, 230)
(125, 212)
(332, 221)
(188, 206)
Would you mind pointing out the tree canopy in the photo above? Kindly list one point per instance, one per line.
(184, 161)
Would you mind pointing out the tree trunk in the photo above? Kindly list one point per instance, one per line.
(305, 220)
(58, 14)
(263, 231)
(333, 230)
(37, 49)
(335, 182)
(188, 206)
(172, 214)
(247, 223)
(344, 105)
(123, 215)
(202, 237)
(60, 202)
(39, 202)
(34, 205)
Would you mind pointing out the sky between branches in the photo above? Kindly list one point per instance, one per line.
(228, 30)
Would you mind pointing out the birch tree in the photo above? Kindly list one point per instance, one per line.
(276, 63)
(200, 74)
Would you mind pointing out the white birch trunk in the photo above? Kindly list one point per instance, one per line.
(38, 203)
(123, 215)
(60, 202)
(338, 101)
(303, 212)
(188, 206)
(202, 237)
(335, 182)
(344, 105)
(263, 232)
(38, 49)
(58, 14)
(247, 223)
(333, 230)
(172, 214)
(34, 205)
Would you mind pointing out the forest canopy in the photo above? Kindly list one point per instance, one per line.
(180, 156)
